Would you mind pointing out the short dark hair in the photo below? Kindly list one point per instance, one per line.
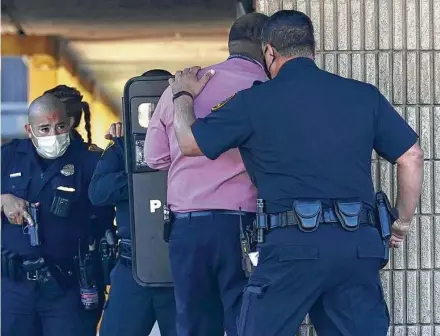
(156, 73)
(290, 32)
(248, 27)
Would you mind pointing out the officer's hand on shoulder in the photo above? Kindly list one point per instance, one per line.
(188, 81)
(15, 209)
(115, 131)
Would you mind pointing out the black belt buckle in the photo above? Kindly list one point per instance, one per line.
(308, 213)
(33, 276)
(32, 267)
(348, 214)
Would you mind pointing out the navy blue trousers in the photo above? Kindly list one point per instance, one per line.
(331, 273)
(132, 310)
(205, 255)
(26, 312)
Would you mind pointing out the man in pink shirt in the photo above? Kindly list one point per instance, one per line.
(209, 199)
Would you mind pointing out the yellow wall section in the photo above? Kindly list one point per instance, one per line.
(48, 68)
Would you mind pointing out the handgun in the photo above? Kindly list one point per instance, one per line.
(33, 230)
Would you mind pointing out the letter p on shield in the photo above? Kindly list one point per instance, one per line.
(154, 205)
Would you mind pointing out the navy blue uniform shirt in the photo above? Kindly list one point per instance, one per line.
(109, 185)
(34, 179)
(307, 134)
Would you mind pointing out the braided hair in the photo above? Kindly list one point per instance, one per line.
(72, 99)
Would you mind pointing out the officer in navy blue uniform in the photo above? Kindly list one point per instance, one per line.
(131, 309)
(40, 282)
(306, 138)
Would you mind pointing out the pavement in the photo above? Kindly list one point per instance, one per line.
(155, 331)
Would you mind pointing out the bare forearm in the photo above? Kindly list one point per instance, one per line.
(184, 117)
(409, 186)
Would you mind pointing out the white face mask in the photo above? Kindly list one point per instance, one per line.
(51, 146)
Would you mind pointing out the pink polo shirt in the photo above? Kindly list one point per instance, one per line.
(197, 183)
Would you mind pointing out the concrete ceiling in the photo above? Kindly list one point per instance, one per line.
(115, 40)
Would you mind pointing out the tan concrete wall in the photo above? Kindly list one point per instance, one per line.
(395, 45)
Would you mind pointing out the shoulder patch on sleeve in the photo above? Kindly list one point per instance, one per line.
(94, 148)
(110, 144)
(221, 104)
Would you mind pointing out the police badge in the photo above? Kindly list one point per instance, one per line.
(68, 170)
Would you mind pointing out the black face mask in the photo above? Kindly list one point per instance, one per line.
(267, 68)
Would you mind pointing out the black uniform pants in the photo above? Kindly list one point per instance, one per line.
(132, 310)
(26, 312)
(208, 277)
(332, 274)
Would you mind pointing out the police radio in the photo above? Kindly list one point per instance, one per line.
(87, 281)
(107, 249)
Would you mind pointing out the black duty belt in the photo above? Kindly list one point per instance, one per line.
(328, 216)
(18, 269)
(125, 252)
(187, 215)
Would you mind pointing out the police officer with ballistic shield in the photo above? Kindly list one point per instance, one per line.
(306, 138)
(131, 309)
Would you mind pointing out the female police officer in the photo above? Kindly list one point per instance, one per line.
(41, 294)
(131, 309)
(76, 108)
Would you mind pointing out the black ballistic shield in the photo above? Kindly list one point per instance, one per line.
(147, 187)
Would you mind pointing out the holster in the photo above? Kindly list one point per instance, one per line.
(107, 251)
(386, 217)
(308, 214)
(11, 265)
(248, 244)
(125, 255)
(261, 224)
